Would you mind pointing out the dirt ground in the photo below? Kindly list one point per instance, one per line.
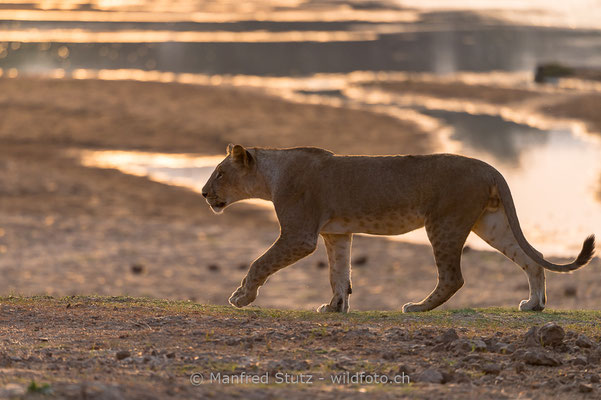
(114, 348)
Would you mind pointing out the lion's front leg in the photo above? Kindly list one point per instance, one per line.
(288, 249)
(339, 254)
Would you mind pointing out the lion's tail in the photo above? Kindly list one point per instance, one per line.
(585, 255)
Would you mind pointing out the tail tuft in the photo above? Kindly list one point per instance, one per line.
(587, 252)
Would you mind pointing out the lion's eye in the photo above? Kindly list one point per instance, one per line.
(219, 175)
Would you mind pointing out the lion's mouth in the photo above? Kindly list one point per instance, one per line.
(216, 205)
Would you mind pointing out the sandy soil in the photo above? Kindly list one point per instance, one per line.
(115, 348)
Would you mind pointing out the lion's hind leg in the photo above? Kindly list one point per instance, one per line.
(447, 241)
(494, 229)
(339, 253)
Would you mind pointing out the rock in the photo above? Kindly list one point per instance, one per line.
(569, 291)
(359, 261)
(478, 345)
(448, 336)
(584, 341)
(594, 378)
(531, 338)
(170, 355)
(505, 348)
(122, 354)
(519, 367)
(584, 388)
(431, 376)
(390, 355)
(551, 334)
(321, 264)
(404, 369)
(461, 346)
(137, 269)
(213, 267)
(540, 357)
(594, 356)
(491, 369)
(578, 360)
(466, 346)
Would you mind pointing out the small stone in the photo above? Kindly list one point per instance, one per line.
(213, 267)
(242, 267)
(551, 334)
(171, 355)
(448, 336)
(504, 348)
(584, 342)
(122, 354)
(578, 360)
(431, 376)
(404, 369)
(531, 338)
(479, 345)
(584, 388)
(359, 261)
(519, 367)
(540, 357)
(492, 369)
(321, 264)
(569, 291)
(594, 378)
(137, 269)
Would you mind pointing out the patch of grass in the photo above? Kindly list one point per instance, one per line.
(37, 388)
(481, 319)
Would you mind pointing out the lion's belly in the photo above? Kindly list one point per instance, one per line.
(394, 223)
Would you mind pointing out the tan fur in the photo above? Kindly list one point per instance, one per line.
(316, 192)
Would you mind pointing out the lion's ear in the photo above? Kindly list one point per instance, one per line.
(228, 149)
(241, 156)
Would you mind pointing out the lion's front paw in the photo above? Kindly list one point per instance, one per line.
(413, 307)
(242, 297)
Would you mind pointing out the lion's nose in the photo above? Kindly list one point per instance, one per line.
(205, 194)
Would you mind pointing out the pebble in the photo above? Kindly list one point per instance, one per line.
(431, 376)
(359, 261)
(491, 368)
(213, 267)
(122, 354)
(584, 388)
(448, 336)
(570, 291)
(137, 269)
(584, 342)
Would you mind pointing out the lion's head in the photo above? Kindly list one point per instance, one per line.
(234, 179)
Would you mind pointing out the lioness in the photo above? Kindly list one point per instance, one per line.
(316, 192)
